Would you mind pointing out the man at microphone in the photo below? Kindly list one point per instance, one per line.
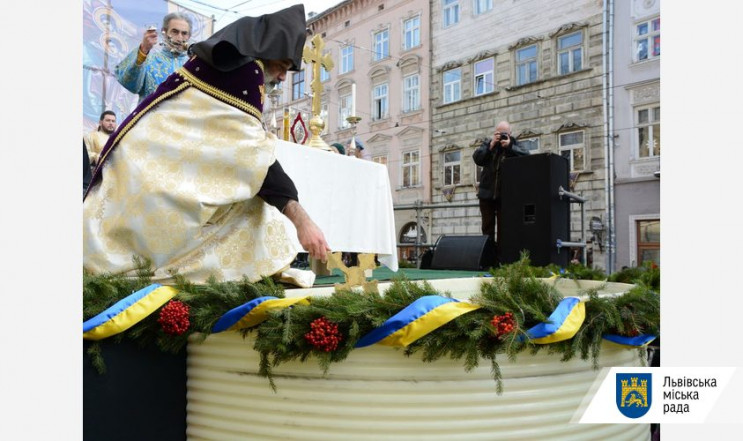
(145, 67)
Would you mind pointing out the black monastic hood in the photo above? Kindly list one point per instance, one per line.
(276, 36)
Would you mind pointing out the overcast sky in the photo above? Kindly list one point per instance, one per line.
(227, 11)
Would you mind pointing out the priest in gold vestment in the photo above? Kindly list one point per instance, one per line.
(190, 180)
(96, 139)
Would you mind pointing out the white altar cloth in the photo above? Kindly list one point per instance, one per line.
(348, 198)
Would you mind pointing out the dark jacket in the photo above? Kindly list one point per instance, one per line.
(491, 162)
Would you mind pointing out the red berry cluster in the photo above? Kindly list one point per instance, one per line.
(503, 324)
(631, 331)
(323, 335)
(174, 318)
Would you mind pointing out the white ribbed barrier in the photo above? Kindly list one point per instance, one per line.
(379, 394)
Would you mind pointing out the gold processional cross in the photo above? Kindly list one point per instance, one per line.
(315, 57)
(354, 275)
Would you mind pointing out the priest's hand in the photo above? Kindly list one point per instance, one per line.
(149, 39)
(308, 233)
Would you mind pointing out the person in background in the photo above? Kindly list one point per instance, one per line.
(98, 137)
(143, 69)
(192, 184)
(490, 155)
(338, 148)
(354, 147)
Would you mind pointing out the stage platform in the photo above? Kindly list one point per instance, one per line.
(384, 274)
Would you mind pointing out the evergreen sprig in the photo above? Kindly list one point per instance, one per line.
(648, 275)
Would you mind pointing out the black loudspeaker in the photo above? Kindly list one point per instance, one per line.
(467, 253)
(532, 214)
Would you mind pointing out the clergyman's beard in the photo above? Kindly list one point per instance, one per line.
(269, 83)
(176, 48)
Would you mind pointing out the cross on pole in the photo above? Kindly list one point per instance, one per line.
(315, 56)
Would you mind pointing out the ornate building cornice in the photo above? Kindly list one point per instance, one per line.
(379, 138)
(408, 60)
(526, 41)
(450, 147)
(528, 133)
(449, 65)
(477, 142)
(378, 70)
(410, 131)
(570, 27)
(571, 125)
(481, 55)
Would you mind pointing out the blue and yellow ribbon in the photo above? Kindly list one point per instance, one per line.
(254, 312)
(127, 312)
(416, 320)
(634, 342)
(557, 275)
(562, 324)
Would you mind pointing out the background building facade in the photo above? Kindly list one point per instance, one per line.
(636, 118)
(536, 64)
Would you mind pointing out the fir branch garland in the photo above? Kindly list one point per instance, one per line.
(515, 291)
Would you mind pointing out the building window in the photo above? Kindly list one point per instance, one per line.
(324, 74)
(570, 53)
(452, 85)
(526, 65)
(411, 93)
(382, 159)
(573, 148)
(410, 169)
(647, 39)
(346, 59)
(344, 111)
(482, 6)
(298, 85)
(452, 164)
(484, 82)
(648, 131)
(411, 33)
(410, 234)
(381, 45)
(380, 108)
(451, 12)
(531, 144)
(648, 241)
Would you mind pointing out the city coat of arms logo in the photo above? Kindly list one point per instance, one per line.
(634, 394)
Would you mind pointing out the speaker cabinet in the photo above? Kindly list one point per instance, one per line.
(467, 253)
(532, 214)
